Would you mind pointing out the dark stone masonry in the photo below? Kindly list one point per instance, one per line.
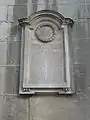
(23, 107)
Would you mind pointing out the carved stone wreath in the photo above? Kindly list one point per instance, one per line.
(45, 32)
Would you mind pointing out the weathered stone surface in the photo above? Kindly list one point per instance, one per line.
(15, 108)
(14, 32)
(16, 12)
(40, 7)
(88, 28)
(87, 10)
(4, 31)
(80, 11)
(80, 77)
(13, 2)
(83, 11)
(9, 53)
(7, 2)
(67, 1)
(1, 106)
(45, 107)
(3, 13)
(9, 32)
(57, 1)
(21, 2)
(2, 82)
(11, 78)
(13, 53)
(68, 11)
(51, 108)
(80, 30)
(87, 1)
(69, 8)
(3, 53)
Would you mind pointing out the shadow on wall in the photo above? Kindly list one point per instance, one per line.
(81, 52)
(13, 47)
(80, 78)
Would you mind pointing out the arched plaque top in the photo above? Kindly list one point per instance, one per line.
(46, 13)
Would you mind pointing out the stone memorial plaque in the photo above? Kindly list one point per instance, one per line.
(44, 54)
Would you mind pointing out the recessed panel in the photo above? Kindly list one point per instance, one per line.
(46, 63)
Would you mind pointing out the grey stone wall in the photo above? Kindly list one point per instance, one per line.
(15, 107)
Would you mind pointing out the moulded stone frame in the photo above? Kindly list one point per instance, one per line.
(64, 22)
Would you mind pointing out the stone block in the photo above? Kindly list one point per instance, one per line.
(4, 31)
(16, 12)
(9, 53)
(87, 1)
(9, 32)
(57, 1)
(3, 53)
(7, 2)
(13, 2)
(21, 2)
(66, 10)
(80, 76)
(11, 80)
(70, 2)
(88, 28)
(51, 108)
(2, 85)
(80, 11)
(3, 13)
(1, 106)
(13, 53)
(83, 11)
(15, 108)
(41, 7)
(80, 30)
(87, 10)
(14, 32)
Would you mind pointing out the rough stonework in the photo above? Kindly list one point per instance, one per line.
(16, 107)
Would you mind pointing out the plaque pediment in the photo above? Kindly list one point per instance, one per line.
(46, 14)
